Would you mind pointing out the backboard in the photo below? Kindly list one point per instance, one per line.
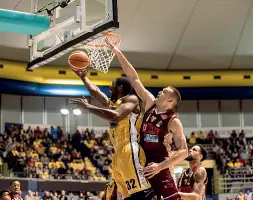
(74, 23)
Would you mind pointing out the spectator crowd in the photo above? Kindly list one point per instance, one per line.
(61, 195)
(47, 154)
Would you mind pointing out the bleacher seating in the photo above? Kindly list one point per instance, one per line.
(48, 154)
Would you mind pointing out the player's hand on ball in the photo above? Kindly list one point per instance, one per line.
(80, 102)
(81, 73)
(115, 49)
(151, 170)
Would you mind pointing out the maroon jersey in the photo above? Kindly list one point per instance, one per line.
(153, 129)
(186, 181)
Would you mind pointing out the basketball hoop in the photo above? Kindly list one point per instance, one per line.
(100, 54)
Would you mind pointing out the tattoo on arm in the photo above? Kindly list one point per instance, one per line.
(199, 185)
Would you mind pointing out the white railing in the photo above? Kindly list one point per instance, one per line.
(237, 180)
(50, 176)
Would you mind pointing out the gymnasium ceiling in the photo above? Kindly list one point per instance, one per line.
(169, 34)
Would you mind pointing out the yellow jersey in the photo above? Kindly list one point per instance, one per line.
(126, 130)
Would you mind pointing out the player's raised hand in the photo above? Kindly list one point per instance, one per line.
(81, 73)
(151, 170)
(115, 49)
(80, 102)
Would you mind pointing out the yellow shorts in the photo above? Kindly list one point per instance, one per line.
(128, 164)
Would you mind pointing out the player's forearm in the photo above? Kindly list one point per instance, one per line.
(176, 158)
(189, 196)
(127, 67)
(106, 114)
(93, 89)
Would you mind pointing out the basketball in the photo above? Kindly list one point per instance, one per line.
(78, 60)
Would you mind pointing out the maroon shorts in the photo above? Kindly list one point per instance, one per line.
(164, 184)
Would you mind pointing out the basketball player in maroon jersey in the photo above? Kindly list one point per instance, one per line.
(192, 182)
(160, 124)
(14, 191)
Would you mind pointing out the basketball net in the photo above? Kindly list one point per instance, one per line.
(100, 55)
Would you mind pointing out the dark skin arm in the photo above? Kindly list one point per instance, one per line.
(199, 187)
(95, 92)
(127, 106)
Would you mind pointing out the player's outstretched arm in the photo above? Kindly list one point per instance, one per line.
(199, 187)
(95, 92)
(176, 128)
(128, 104)
(132, 75)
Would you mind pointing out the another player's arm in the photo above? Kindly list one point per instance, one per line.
(199, 187)
(95, 92)
(123, 110)
(176, 128)
(145, 95)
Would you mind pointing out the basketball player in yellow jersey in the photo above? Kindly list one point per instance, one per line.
(122, 110)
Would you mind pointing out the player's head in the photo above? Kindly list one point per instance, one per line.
(169, 97)
(15, 187)
(197, 153)
(120, 86)
(4, 193)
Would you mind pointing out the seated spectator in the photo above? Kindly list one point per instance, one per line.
(237, 164)
(29, 196)
(39, 170)
(233, 134)
(36, 196)
(210, 136)
(201, 138)
(44, 174)
(37, 132)
(63, 195)
(53, 149)
(249, 146)
(59, 132)
(192, 139)
(53, 134)
(47, 196)
(230, 164)
(235, 154)
(244, 155)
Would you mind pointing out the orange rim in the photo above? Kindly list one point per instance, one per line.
(109, 35)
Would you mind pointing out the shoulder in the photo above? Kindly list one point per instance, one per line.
(174, 124)
(200, 174)
(130, 98)
(175, 121)
(7, 197)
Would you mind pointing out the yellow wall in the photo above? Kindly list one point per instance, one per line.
(49, 75)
